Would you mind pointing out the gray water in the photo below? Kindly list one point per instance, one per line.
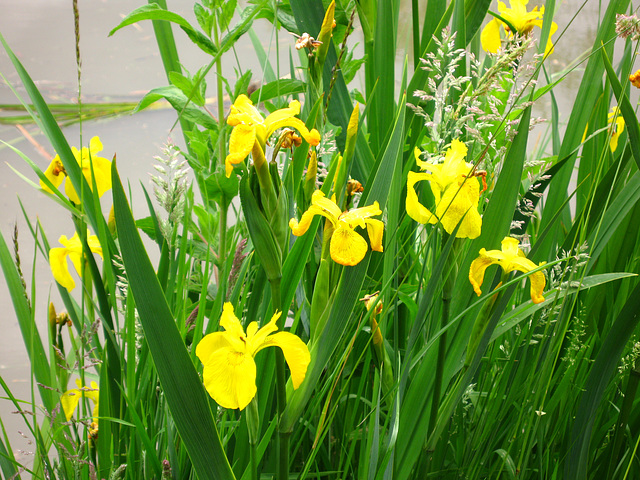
(124, 67)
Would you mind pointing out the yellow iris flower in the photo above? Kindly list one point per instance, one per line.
(511, 258)
(521, 20)
(249, 127)
(229, 369)
(71, 398)
(72, 249)
(87, 157)
(456, 196)
(347, 247)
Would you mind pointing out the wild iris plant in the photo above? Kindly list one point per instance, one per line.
(311, 193)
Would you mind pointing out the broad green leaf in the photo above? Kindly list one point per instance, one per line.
(182, 387)
(180, 102)
(154, 11)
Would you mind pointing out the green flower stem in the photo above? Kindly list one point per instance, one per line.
(253, 427)
(222, 249)
(281, 391)
(220, 93)
(481, 323)
(447, 288)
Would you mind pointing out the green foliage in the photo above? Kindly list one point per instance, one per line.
(429, 380)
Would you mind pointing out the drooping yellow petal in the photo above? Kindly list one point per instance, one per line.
(73, 250)
(375, 229)
(230, 378)
(69, 401)
(490, 36)
(102, 171)
(477, 269)
(60, 268)
(347, 247)
(240, 145)
(415, 209)
(295, 353)
(320, 205)
(537, 279)
(456, 205)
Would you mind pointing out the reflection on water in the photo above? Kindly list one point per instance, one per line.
(123, 67)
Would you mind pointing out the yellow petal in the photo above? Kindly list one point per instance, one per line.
(211, 343)
(282, 114)
(375, 229)
(94, 244)
(417, 153)
(477, 269)
(510, 247)
(240, 145)
(549, 47)
(70, 191)
(295, 353)
(230, 378)
(347, 247)
(60, 268)
(102, 171)
(95, 145)
(538, 280)
(320, 205)
(55, 173)
(457, 205)
(357, 216)
(414, 208)
(230, 322)
(69, 401)
(311, 137)
(244, 106)
(256, 340)
(490, 36)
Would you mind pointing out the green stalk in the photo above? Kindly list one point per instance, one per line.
(253, 427)
(447, 289)
(222, 249)
(220, 93)
(283, 437)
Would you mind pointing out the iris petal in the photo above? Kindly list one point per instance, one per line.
(230, 378)
(415, 209)
(490, 36)
(240, 145)
(375, 229)
(295, 353)
(347, 247)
